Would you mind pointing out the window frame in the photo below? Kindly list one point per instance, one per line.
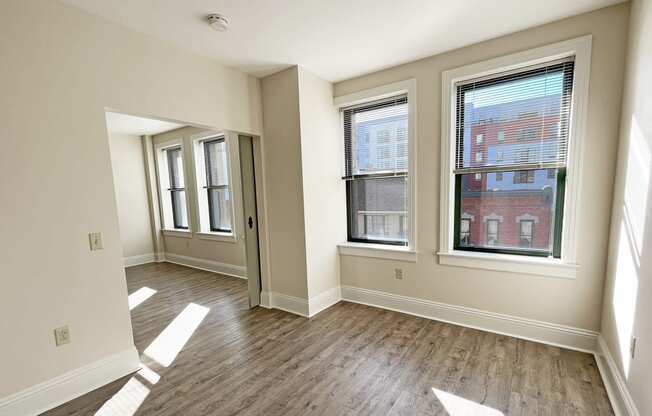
(208, 187)
(565, 266)
(168, 225)
(372, 248)
(202, 201)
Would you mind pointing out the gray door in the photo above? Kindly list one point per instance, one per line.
(250, 217)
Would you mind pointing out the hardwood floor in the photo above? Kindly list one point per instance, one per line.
(348, 360)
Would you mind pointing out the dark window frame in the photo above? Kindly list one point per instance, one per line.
(567, 90)
(210, 188)
(175, 190)
(351, 179)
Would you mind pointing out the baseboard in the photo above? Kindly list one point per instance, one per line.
(547, 333)
(292, 304)
(621, 399)
(323, 301)
(140, 259)
(208, 265)
(54, 392)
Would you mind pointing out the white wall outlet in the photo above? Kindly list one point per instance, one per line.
(399, 274)
(62, 335)
(95, 241)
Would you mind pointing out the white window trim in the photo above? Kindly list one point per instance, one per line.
(201, 207)
(566, 266)
(161, 180)
(408, 87)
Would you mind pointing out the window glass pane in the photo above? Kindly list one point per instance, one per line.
(378, 209)
(179, 210)
(175, 166)
(380, 139)
(508, 214)
(219, 204)
(515, 119)
(216, 163)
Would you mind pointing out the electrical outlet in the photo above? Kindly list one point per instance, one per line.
(632, 347)
(95, 241)
(62, 335)
(398, 274)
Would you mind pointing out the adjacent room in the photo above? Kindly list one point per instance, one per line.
(285, 208)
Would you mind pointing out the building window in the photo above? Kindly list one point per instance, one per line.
(524, 176)
(172, 186)
(492, 232)
(465, 231)
(527, 102)
(478, 139)
(377, 171)
(526, 232)
(216, 186)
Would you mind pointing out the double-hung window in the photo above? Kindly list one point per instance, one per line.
(218, 195)
(523, 117)
(213, 185)
(176, 189)
(376, 171)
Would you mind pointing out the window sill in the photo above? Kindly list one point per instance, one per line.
(379, 251)
(177, 233)
(215, 236)
(509, 263)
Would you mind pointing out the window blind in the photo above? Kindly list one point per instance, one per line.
(517, 120)
(376, 138)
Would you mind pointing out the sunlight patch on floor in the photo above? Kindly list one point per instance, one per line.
(165, 348)
(459, 406)
(140, 296)
(126, 401)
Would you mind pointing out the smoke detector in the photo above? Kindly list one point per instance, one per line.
(218, 22)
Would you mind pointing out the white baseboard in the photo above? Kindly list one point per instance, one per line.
(323, 301)
(292, 304)
(548, 333)
(54, 392)
(140, 259)
(621, 399)
(208, 265)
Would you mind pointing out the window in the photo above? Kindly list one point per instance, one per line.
(177, 188)
(529, 105)
(526, 232)
(172, 185)
(478, 139)
(377, 171)
(492, 232)
(217, 185)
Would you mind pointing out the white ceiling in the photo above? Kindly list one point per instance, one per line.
(138, 126)
(336, 39)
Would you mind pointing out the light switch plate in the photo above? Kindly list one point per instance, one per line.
(62, 335)
(95, 241)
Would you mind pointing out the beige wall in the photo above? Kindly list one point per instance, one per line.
(128, 167)
(574, 302)
(231, 252)
(628, 290)
(324, 195)
(60, 69)
(284, 183)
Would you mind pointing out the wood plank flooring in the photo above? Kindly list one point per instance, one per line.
(348, 360)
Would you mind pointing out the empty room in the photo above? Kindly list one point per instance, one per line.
(326, 207)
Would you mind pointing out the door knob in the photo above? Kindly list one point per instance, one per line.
(251, 222)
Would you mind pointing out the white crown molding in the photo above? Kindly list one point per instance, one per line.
(208, 265)
(529, 329)
(68, 386)
(621, 400)
(140, 259)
